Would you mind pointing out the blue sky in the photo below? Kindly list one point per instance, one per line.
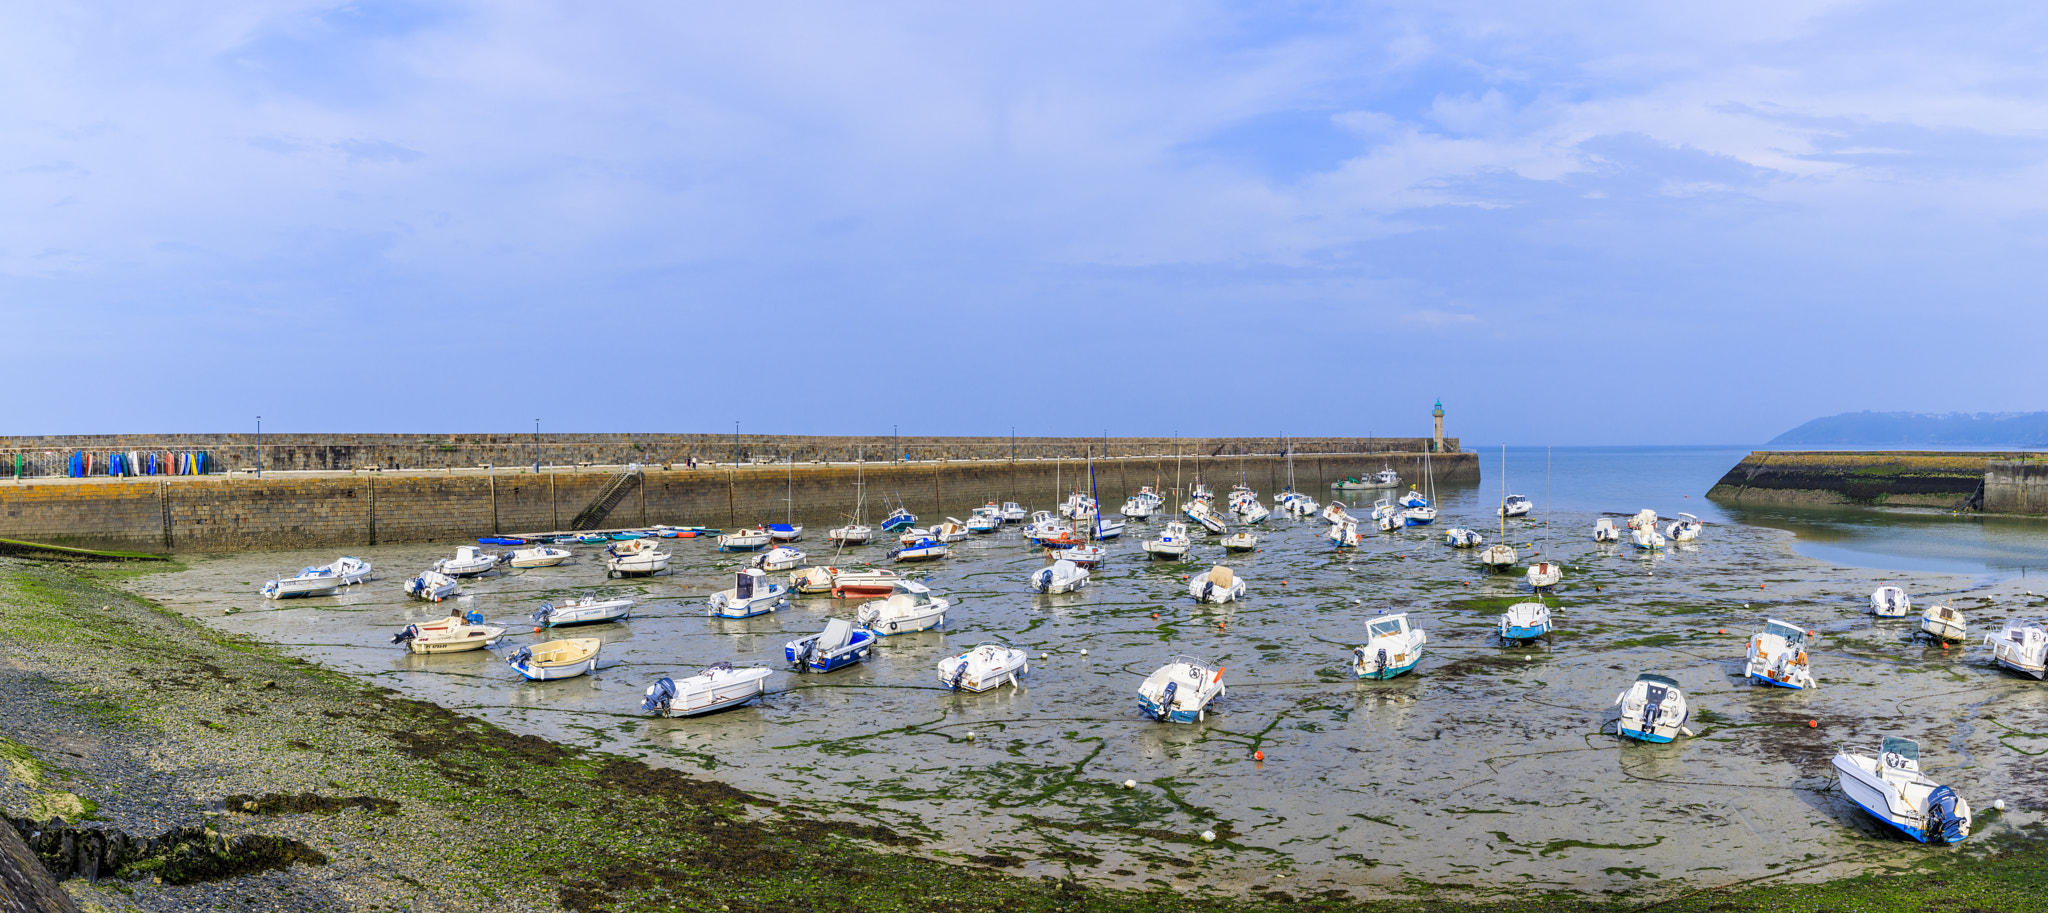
(1575, 223)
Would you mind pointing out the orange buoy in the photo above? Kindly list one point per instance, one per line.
(1813, 724)
(1155, 614)
(1722, 631)
(1258, 755)
(1220, 624)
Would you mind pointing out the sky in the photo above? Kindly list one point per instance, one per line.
(1575, 223)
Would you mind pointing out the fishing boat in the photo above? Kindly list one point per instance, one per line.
(1012, 513)
(2021, 647)
(865, 582)
(911, 608)
(841, 644)
(557, 659)
(635, 559)
(469, 561)
(899, 519)
(313, 581)
(785, 532)
(1944, 623)
(1460, 537)
(1545, 574)
(1385, 478)
(1890, 602)
(1345, 534)
(814, 579)
(1684, 529)
(1653, 709)
(1217, 584)
(1892, 788)
(432, 585)
(589, 609)
(1524, 622)
(744, 540)
(716, 688)
(1045, 526)
(1604, 530)
(921, 550)
(984, 668)
(534, 556)
(751, 594)
(1062, 576)
(779, 558)
(1777, 656)
(459, 632)
(1516, 506)
(1242, 541)
(984, 520)
(1172, 544)
(1390, 649)
(1181, 691)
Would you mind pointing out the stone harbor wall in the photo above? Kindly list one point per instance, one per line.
(1885, 478)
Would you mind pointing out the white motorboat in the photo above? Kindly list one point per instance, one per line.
(950, 531)
(1516, 506)
(1108, 529)
(1079, 507)
(779, 558)
(1300, 505)
(814, 579)
(1012, 513)
(1062, 576)
(752, 594)
(313, 581)
(1412, 498)
(1142, 505)
(1499, 556)
(1890, 602)
(865, 582)
(1173, 543)
(1391, 647)
(589, 609)
(921, 550)
(1684, 529)
(1345, 534)
(469, 561)
(1523, 622)
(984, 520)
(1381, 509)
(1045, 526)
(716, 688)
(457, 633)
(1253, 512)
(635, 558)
(1653, 709)
(1335, 512)
(1604, 530)
(1943, 623)
(1777, 656)
(841, 644)
(1201, 492)
(2021, 647)
(534, 556)
(432, 585)
(557, 659)
(1391, 523)
(350, 570)
(1181, 691)
(1643, 519)
(911, 608)
(1242, 541)
(1217, 584)
(744, 540)
(1083, 555)
(851, 534)
(984, 668)
(1647, 538)
(1419, 516)
(1460, 537)
(1204, 515)
(1545, 574)
(1891, 787)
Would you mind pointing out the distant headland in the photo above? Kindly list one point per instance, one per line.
(1919, 429)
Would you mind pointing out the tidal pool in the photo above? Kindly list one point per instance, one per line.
(1489, 769)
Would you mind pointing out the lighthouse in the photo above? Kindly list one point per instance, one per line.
(1438, 445)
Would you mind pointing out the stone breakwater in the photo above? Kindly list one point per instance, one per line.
(240, 512)
(1992, 482)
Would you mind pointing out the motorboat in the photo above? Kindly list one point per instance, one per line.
(313, 581)
(779, 558)
(589, 609)
(1892, 788)
(1203, 515)
(1079, 507)
(921, 550)
(534, 556)
(1390, 649)
(851, 534)
(1777, 656)
(984, 520)
(432, 585)
(1217, 584)
(950, 531)
(1239, 495)
(1890, 602)
(1419, 516)
(627, 535)
(1943, 623)
(1253, 512)
(814, 579)
(1083, 555)
(590, 538)
(744, 540)
(350, 570)
(1545, 574)
(1524, 621)
(1335, 512)
(1109, 529)
(1201, 492)
(557, 659)
(984, 668)
(1684, 529)
(841, 644)
(1173, 543)
(752, 594)
(1516, 506)
(1062, 576)
(639, 558)
(1300, 505)
(1412, 498)
(1499, 556)
(1460, 537)
(865, 582)
(469, 561)
(785, 532)
(1604, 530)
(899, 519)
(1045, 526)
(1643, 519)
(1381, 509)
(1345, 534)
(1391, 523)
(1385, 478)
(1139, 506)
(716, 688)
(1647, 538)
(1181, 691)
(1653, 709)
(457, 633)
(2021, 647)
(1242, 541)
(911, 608)
(1013, 513)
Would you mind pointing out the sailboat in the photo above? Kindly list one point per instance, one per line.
(1500, 554)
(1544, 574)
(1421, 508)
(787, 531)
(1104, 529)
(857, 532)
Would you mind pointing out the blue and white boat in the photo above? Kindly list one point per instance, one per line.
(744, 540)
(1173, 544)
(1653, 709)
(1391, 648)
(1892, 788)
(313, 581)
(1181, 691)
(1460, 537)
(921, 550)
(1413, 498)
(588, 610)
(1419, 516)
(717, 688)
(1203, 515)
(1777, 656)
(752, 594)
(898, 520)
(841, 644)
(785, 532)
(1524, 621)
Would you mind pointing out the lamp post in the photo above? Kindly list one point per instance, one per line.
(896, 438)
(1013, 443)
(259, 446)
(735, 442)
(536, 446)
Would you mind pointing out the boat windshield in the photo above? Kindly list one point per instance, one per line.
(1903, 748)
(1656, 679)
(1387, 628)
(1790, 634)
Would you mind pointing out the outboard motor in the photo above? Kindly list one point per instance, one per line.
(1942, 821)
(659, 695)
(1208, 589)
(1045, 579)
(1166, 701)
(524, 654)
(1382, 661)
(474, 617)
(410, 632)
(804, 655)
(1358, 656)
(959, 675)
(547, 611)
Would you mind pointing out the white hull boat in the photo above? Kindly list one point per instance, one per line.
(1545, 574)
(950, 531)
(1345, 534)
(984, 668)
(921, 550)
(1648, 538)
(785, 532)
(539, 556)
(743, 540)
(1777, 656)
(752, 594)
(1062, 576)
(1335, 513)
(1890, 602)
(1138, 508)
(1181, 691)
(431, 585)
(457, 633)
(985, 520)
(853, 534)
(1604, 530)
(865, 582)
(1892, 788)
(713, 689)
(1084, 555)
(1460, 537)
(557, 659)
(1684, 529)
(910, 609)
(1419, 516)
(313, 581)
(1516, 506)
(636, 558)
(1392, 523)
(1498, 557)
(838, 646)
(779, 558)
(350, 570)
(1218, 584)
(1413, 498)
(469, 561)
(1204, 516)
(588, 610)
(2021, 647)
(1653, 709)
(814, 579)
(1013, 513)
(1524, 622)
(1172, 544)
(1241, 542)
(1109, 529)
(1391, 648)
(1943, 623)
(1643, 519)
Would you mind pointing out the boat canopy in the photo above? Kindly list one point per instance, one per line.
(1790, 634)
(1387, 627)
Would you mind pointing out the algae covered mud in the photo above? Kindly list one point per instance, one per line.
(1490, 772)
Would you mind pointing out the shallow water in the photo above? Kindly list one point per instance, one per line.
(1489, 766)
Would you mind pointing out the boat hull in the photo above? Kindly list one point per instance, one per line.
(1529, 632)
(1644, 735)
(1390, 671)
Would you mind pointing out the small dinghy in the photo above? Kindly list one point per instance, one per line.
(751, 594)
(591, 538)
(1181, 691)
(2021, 647)
(534, 556)
(432, 585)
(557, 659)
(1890, 602)
(469, 561)
(1013, 513)
(814, 579)
(1891, 787)
(1084, 555)
(899, 519)
(1419, 516)
(1499, 557)
(716, 688)
(1241, 542)
(1545, 574)
(841, 644)
(1684, 529)
(1172, 544)
(744, 540)
(779, 558)
(1061, 576)
(910, 609)
(1524, 622)
(589, 609)
(1604, 530)
(313, 581)
(1391, 648)
(638, 558)
(1653, 709)
(984, 668)
(851, 534)
(1647, 538)
(867, 581)
(1943, 623)
(1516, 506)
(1777, 656)
(456, 633)
(785, 532)
(921, 550)
(1217, 584)
(1460, 537)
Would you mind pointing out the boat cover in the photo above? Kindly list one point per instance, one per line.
(838, 633)
(1221, 577)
